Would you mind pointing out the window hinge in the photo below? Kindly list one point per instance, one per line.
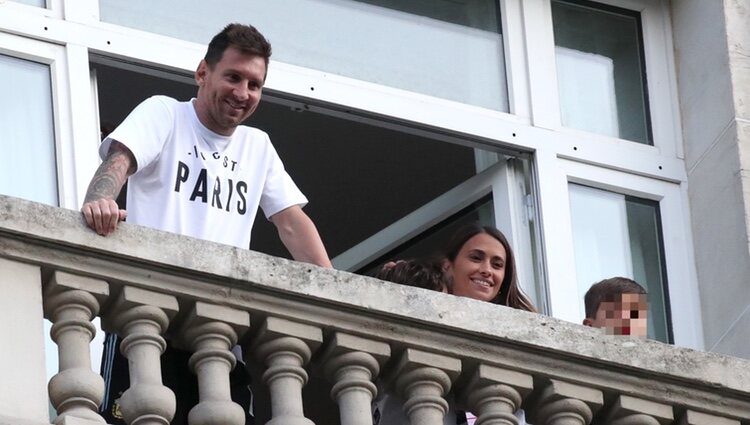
(529, 204)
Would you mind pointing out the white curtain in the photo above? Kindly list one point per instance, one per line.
(587, 91)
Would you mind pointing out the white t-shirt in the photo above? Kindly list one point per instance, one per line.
(192, 181)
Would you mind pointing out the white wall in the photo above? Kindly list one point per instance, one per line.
(24, 386)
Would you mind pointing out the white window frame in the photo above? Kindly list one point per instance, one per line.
(53, 8)
(681, 275)
(55, 58)
(531, 76)
(659, 62)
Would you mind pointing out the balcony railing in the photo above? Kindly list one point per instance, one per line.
(300, 323)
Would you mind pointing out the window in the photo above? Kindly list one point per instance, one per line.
(618, 235)
(430, 242)
(639, 224)
(428, 47)
(387, 186)
(498, 196)
(601, 70)
(27, 134)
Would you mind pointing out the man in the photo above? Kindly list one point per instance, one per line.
(194, 169)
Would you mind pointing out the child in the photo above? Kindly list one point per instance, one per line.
(618, 305)
(388, 409)
(421, 274)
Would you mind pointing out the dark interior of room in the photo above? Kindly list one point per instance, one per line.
(358, 177)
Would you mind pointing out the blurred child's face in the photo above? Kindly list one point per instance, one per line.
(626, 316)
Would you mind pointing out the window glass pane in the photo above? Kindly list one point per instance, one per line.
(37, 3)
(617, 235)
(644, 229)
(431, 242)
(27, 166)
(600, 70)
(527, 243)
(443, 48)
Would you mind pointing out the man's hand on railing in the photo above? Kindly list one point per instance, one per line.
(99, 208)
(102, 215)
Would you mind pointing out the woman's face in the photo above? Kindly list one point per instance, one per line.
(479, 268)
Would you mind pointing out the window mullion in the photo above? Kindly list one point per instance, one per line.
(515, 58)
(557, 236)
(540, 53)
(663, 102)
(80, 157)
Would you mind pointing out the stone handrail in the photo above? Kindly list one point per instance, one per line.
(300, 323)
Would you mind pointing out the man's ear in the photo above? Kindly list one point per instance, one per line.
(588, 322)
(200, 73)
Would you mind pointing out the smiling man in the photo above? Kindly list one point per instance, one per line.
(193, 169)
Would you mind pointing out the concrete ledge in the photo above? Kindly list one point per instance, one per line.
(27, 227)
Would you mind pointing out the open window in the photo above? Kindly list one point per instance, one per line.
(378, 188)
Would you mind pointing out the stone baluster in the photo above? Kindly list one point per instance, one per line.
(422, 380)
(627, 410)
(494, 394)
(70, 303)
(140, 317)
(692, 417)
(352, 363)
(211, 331)
(563, 403)
(284, 347)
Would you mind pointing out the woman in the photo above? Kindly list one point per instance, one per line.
(479, 263)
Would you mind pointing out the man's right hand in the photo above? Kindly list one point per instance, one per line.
(102, 215)
(99, 208)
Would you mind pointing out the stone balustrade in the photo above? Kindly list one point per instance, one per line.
(323, 343)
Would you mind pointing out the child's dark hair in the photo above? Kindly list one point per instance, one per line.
(418, 273)
(609, 290)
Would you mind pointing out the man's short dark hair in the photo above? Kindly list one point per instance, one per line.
(421, 274)
(609, 290)
(245, 38)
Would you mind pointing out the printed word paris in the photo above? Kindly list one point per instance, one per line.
(224, 194)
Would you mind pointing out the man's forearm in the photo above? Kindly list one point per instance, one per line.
(111, 174)
(308, 248)
(300, 236)
(99, 207)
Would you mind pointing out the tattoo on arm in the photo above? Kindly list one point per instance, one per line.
(111, 174)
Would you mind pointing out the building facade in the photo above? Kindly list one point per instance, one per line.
(603, 137)
(575, 127)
